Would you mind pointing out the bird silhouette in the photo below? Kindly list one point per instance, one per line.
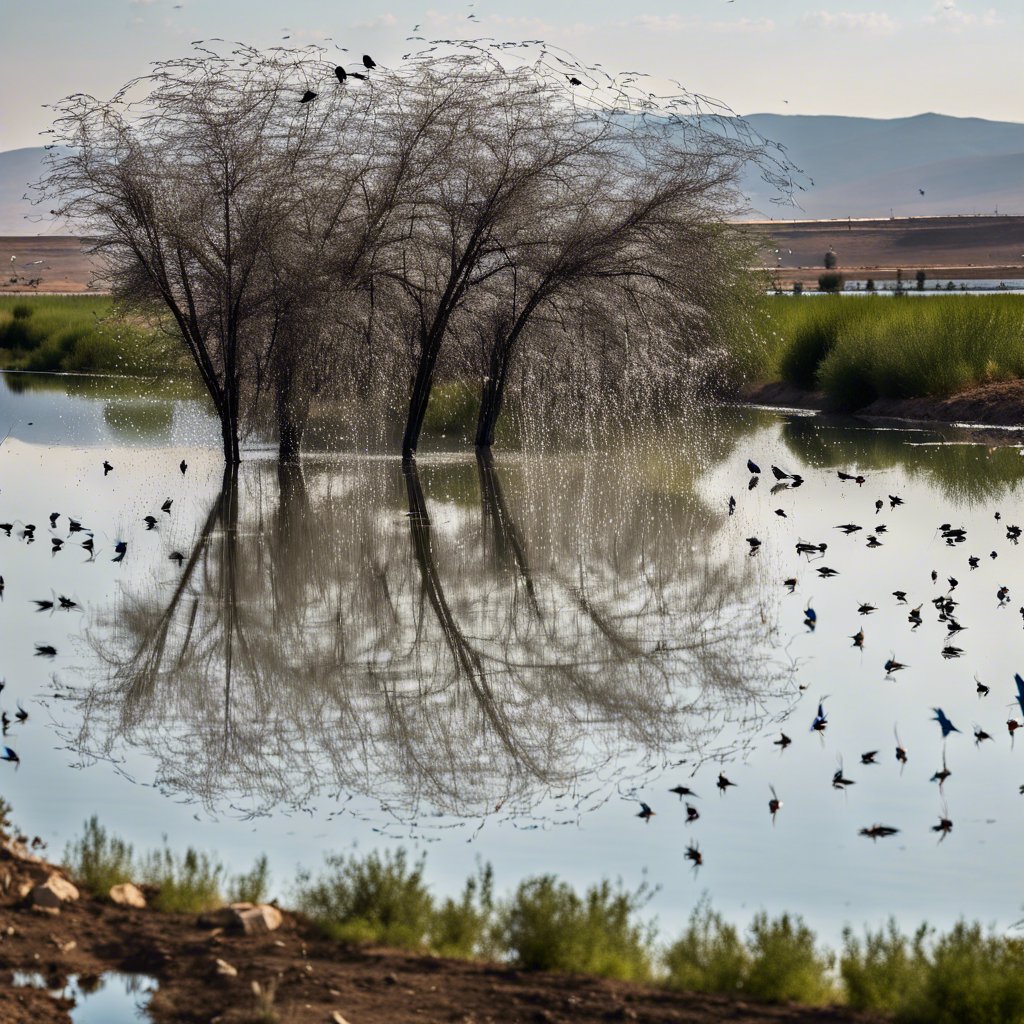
(774, 805)
(308, 96)
(368, 62)
(753, 467)
(107, 467)
(10, 755)
(183, 466)
(944, 723)
(340, 74)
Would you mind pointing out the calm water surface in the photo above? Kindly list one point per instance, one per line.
(498, 662)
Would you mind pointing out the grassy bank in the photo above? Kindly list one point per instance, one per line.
(77, 334)
(858, 349)
(968, 975)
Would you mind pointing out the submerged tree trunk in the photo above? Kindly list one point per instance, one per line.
(491, 400)
(419, 398)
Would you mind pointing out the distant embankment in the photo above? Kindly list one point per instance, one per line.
(943, 247)
(46, 263)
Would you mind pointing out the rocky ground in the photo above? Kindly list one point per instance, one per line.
(213, 971)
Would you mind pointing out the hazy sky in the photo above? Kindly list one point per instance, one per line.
(857, 57)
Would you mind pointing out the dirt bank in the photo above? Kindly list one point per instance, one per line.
(999, 404)
(312, 979)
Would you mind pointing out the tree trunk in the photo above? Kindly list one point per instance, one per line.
(419, 399)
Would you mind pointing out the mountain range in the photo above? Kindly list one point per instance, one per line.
(928, 165)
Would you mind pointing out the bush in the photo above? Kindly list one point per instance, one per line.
(464, 928)
(252, 886)
(709, 956)
(785, 964)
(188, 884)
(375, 899)
(547, 926)
(99, 860)
(830, 282)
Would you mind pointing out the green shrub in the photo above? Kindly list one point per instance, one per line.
(99, 860)
(830, 282)
(464, 928)
(251, 886)
(709, 956)
(785, 964)
(186, 884)
(547, 926)
(374, 899)
(21, 311)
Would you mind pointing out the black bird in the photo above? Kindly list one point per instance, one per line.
(754, 481)
(693, 854)
(900, 595)
(54, 516)
(682, 791)
(781, 513)
(779, 474)
(941, 776)
(56, 544)
(774, 805)
(901, 751)
(107, 467)
(878, 831)
(953, 583)
(732, 504)
(573, 80)
(826, 573)
(858, 638)
(645, 812)
(980, 736)
(873, 541)
(308, 96)
(67, 604)
(949, 652)
(881, 528)
(74, 526)
(945, 825)
(892, 665)
(692, 814)
(21, 714)
(340, 73)
(980, 688)
(914, 618)
(7, 527)
(790, 584)
(183, 465)
(849, 528)
(178, 557)
(166, 506)
(121, 549)
(1003, 595)
(754, 544)
(935, 576)
(723, 783)
(894, 500)
(88, 544)
(878, 506)
(753, 467)
(42, 606)
(150, 522)
(820, 722)
(839, 781)
(866, 609)
(46, 651)
(9, 755)
(783, 741)
(869, 757)
(368, 62)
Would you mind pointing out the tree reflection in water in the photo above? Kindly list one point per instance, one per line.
(454, 642)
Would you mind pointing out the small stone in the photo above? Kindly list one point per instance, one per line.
(260, 919)
(224, 969)
(127, 895)
(53, 892)
(337, 1018)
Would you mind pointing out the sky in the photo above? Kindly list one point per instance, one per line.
(852, 57)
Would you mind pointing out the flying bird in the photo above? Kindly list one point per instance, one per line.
(944, 723)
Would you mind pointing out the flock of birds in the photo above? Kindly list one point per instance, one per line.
(74, 532)
(946, 606)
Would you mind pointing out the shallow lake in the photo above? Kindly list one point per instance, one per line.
(498, 663)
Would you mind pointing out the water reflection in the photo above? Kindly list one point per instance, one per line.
(460, 640)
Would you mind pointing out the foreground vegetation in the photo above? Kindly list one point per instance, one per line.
(858, 349)
(967, 975)
(76, 334)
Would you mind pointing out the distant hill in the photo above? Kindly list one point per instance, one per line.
(19, 167)
(861, 167)
(865, 167)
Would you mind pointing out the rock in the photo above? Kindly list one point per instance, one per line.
(337, 1018)
(127, 895)
(260, 919)
(244, 917)
(224, 969)
(53, 892)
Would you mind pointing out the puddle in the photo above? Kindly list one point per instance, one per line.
(110, 998)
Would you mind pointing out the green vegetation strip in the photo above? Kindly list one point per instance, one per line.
(857, 349)
(78, 334)
(968, 976)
